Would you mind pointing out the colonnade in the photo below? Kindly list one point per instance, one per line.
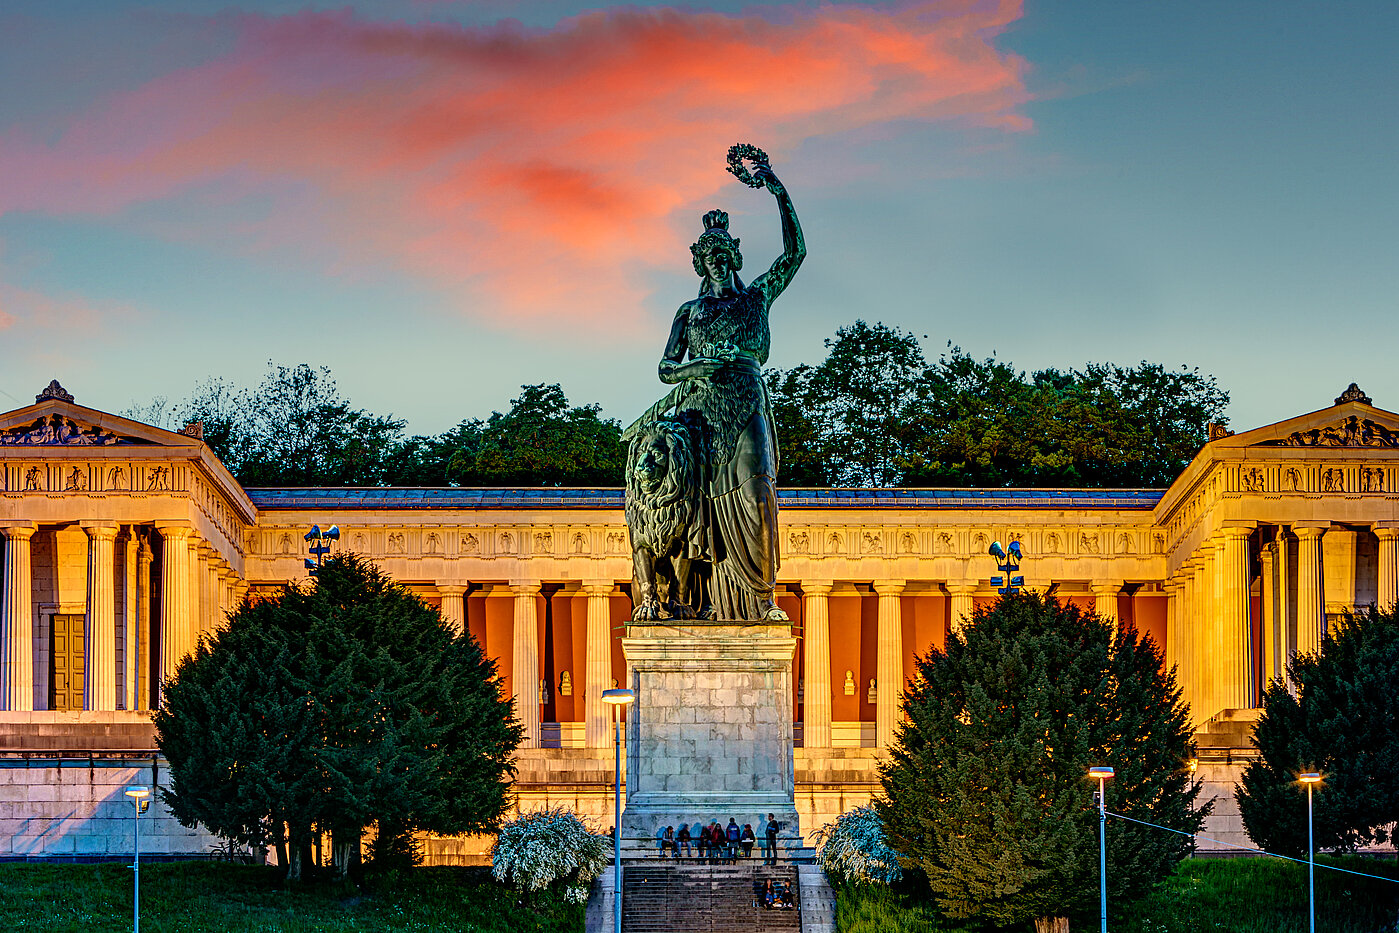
(197, 587)
(1211, 615)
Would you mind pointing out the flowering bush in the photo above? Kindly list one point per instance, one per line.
(854, 848)
(547, 846)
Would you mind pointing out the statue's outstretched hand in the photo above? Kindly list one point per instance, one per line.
(764, 173)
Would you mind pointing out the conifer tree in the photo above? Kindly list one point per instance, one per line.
(986, 792)
(335, 706)
(1342, 720)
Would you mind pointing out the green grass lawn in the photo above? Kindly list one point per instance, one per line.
(221, 898)
(1240, 895)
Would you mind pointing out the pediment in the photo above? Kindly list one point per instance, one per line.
(58, 422)
(1350, 424)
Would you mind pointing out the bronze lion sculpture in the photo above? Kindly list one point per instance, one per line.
(663, 505)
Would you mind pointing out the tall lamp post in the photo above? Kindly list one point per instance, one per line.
(320, 545)
(1102, 773)
(139, 798)
(1309, 778)
(617, 698)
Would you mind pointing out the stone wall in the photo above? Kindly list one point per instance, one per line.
(70, 808)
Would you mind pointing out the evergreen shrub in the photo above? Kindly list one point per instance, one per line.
(854, 848)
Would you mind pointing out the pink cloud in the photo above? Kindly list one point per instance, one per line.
(27, 309)
(542, 172)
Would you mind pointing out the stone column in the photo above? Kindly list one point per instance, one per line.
(597, 675)
(524, 673)
(176, 623)
(1235, 631)
(1311, 592)
(144, 629)
(17, 620)
(1268, 639)
(1105, 594)
(131, 650)
(1199, 644)
(890, 663)
(100, 643)
(816, 664)
(1285, 602)
(1387, 594)
(453, 605)
(961, 603)
(198, 590)
(213, 613)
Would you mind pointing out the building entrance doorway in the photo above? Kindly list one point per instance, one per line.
(66, 663)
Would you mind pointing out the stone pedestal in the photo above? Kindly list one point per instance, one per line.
(710, 734)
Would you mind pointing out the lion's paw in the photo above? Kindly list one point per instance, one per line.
(775, 615)
(648, 611)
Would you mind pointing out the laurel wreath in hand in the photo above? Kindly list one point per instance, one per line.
(746, 152)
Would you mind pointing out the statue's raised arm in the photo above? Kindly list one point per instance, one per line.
(775, 280)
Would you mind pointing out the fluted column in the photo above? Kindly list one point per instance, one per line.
(1105, 594)
(816, 664)
(597, 675)
(1387, 594)
(890, 663)
(453, 605)
(130, 646)
(1199, 644)
(17, 620)
(176, 624)
(961, 603)
(524, 673)
(145, 629)
(100, 641)
(1268, 635)
(1235, 630)
(198, 590)
(1311, 592)
(213, 612)
(1171, 649)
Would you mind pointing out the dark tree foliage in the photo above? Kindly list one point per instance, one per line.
(296, 430)
(543, 441)
(876, 413)
(986, 792)
(1343, 722)
(337, 706)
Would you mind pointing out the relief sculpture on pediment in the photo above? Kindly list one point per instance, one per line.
(56, 430)
(1352, 432)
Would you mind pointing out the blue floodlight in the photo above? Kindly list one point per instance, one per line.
(313, 534)
(1015, 550)
(997, 551)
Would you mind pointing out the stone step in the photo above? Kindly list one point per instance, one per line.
(665, 898)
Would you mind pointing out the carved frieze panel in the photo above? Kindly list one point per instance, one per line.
(1352, 432)
(57, 431)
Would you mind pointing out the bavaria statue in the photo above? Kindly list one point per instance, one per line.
(702, 462)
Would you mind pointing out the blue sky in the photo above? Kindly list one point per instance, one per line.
(441, 204)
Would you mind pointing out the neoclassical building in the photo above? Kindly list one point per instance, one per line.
(124, 543)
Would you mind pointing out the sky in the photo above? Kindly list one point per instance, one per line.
(441, 201)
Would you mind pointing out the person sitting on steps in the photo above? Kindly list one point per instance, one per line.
(746, 839)
(682, 840)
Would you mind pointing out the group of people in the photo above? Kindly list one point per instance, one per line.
(778, 895)
(717, 844)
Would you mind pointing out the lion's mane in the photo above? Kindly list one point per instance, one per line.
(658, 519)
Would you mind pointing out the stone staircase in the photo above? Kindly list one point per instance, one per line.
(666, 898)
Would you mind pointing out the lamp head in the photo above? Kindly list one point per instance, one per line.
(1100, 772)
(333, 533)
(1193, 764)
(313, 534)
(1015, 549)
(618, 696)
(996, 550)
(138, 792)
(1309, 777)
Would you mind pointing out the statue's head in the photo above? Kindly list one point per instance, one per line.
(715, 240)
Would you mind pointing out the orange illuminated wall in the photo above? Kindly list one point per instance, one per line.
(1149, 616)
(925, 627)
(845, 655)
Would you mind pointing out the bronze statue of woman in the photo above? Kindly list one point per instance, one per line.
(724, 333)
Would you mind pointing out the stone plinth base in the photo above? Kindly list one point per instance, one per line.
(710, 733)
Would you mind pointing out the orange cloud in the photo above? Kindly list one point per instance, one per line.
(541, 172)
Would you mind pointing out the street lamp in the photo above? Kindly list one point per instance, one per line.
(1007, 562)
(617, 698)
(1309, 778)
(1102, 773)
(320, 545)
(140, 801)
